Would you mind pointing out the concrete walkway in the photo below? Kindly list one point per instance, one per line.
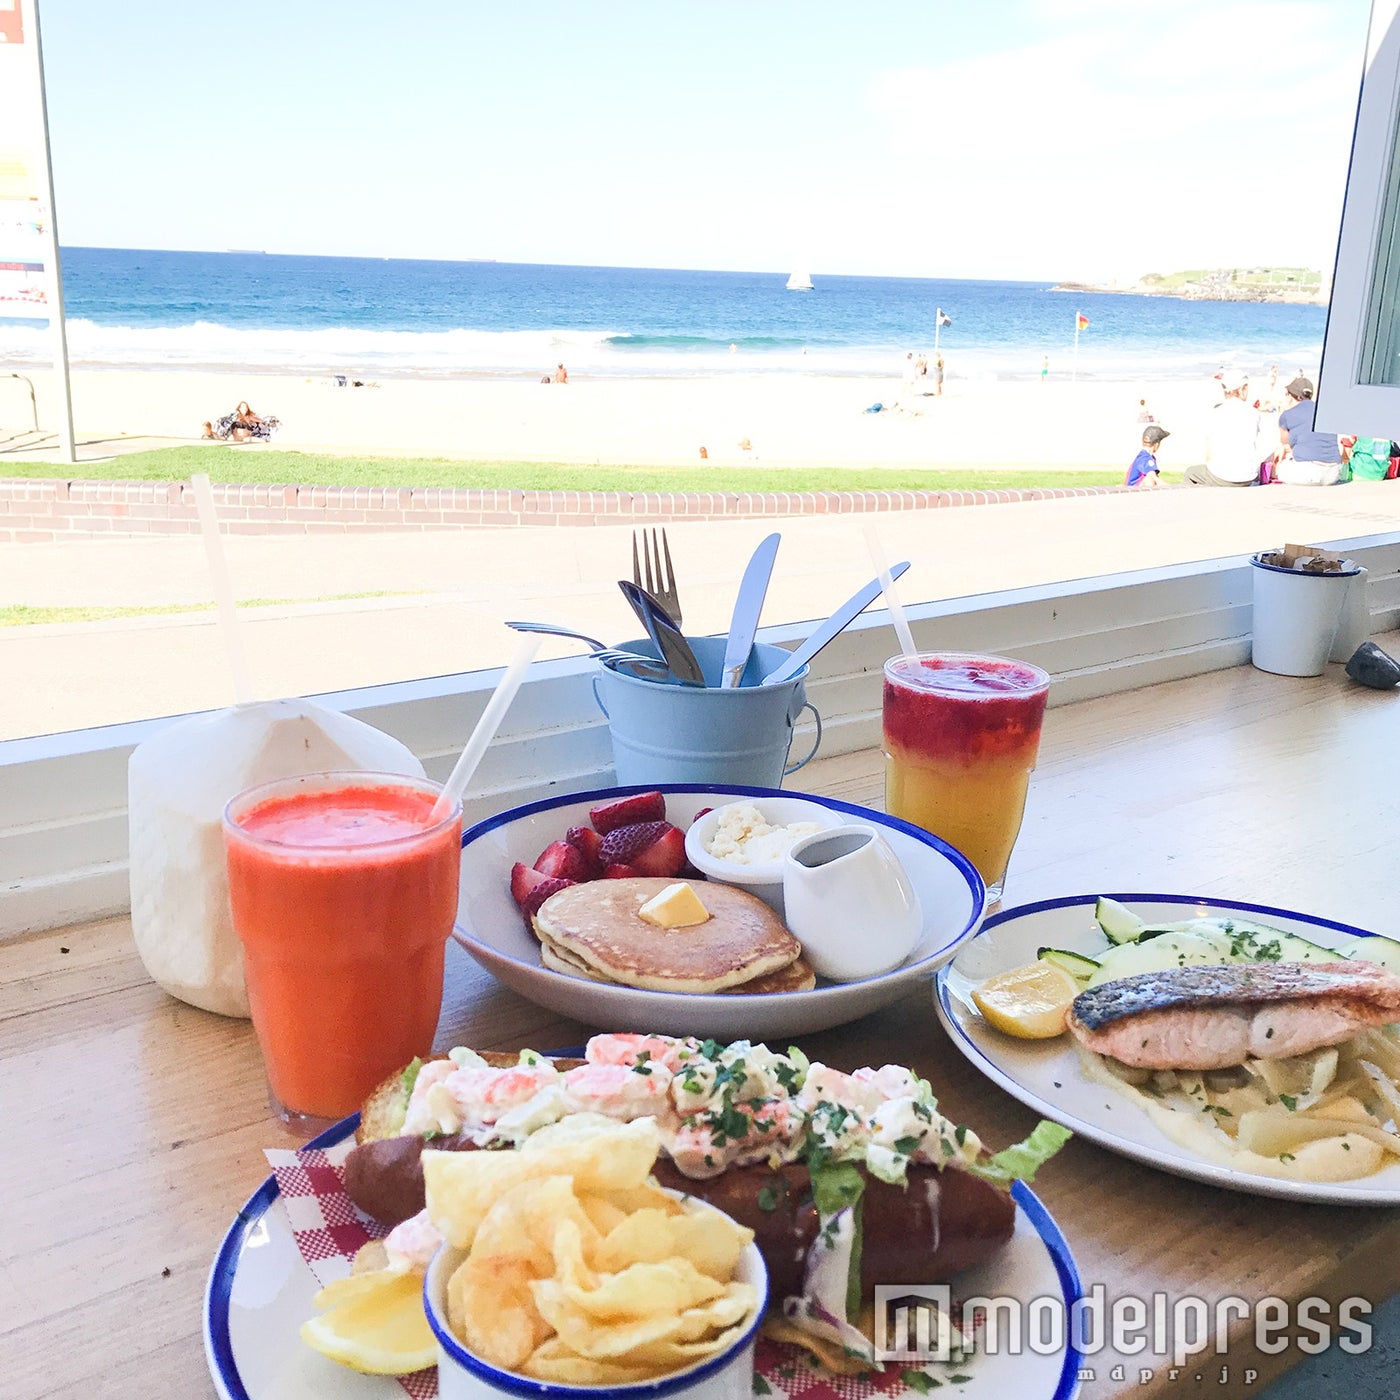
(461, 585)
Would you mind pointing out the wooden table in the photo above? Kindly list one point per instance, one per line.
(133, 1125)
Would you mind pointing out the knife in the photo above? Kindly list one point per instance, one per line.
(671, 645)
(837, 622)
(747, 607)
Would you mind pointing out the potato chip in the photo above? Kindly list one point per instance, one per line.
(711, 1241)
(553, 1361)
(660, 1357)
(640, 1290)
(600, 1156)
(647, 1196)
(461, 1187)
(489, 1300)
(604, 1215)
(579, 1269)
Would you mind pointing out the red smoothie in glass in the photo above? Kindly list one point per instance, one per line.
(961, 735)
(343, 896)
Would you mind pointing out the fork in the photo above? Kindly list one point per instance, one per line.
(647, 572)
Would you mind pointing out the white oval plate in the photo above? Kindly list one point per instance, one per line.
(491, 930)
(260, 1291)
(1046, 1074)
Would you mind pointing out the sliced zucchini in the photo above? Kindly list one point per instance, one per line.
(1251, 942)
(1385, 951)
(1080, 966)
(1118, 922)
(1160, 954)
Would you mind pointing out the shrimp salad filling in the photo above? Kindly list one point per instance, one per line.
(719, 1106)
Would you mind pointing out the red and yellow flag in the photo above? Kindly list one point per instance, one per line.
(1081, 321)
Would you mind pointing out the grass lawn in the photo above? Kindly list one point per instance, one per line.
(23, 615)
(235, 466)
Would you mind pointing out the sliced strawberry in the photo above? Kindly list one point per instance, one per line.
(589, 844)
(624, 843)
(540, 893)
(650, 848)
(561, 861)
(665, 856)
(523, 880)
(628, 811)
(619, 872)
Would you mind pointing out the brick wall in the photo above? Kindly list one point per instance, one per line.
(35, 510)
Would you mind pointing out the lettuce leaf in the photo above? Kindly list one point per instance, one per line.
(1021, 1162)
(838, 1186)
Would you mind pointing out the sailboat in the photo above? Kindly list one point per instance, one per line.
(800, 282)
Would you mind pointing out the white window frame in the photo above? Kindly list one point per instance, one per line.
(1344, 403)
(63, 831)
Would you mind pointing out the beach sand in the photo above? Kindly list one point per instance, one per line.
(789, 420)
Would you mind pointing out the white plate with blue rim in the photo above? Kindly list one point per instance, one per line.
(1048, 1075)
(951, 895)
(260, 1291)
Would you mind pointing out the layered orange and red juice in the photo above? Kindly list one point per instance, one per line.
(961, 735)
(343, 894)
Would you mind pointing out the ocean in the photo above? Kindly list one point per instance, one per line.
(390, 317)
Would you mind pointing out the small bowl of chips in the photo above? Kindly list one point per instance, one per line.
(588, 1278)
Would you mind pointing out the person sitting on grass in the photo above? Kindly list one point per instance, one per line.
(1305, 457)
(1143, 470)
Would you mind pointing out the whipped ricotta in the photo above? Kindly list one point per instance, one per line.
(743, 836)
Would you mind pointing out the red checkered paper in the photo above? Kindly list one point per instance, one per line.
(328, 1228)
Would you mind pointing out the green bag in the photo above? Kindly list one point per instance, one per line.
(1370, 458)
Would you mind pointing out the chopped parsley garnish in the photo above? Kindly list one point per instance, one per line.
(907, 1146)
(918, 1380)
(1286, 1157)
(1289, 1101)
(768, 1198)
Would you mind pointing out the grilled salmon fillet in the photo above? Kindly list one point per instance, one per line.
(1207, 1017)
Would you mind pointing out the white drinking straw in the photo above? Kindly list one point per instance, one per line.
(223, 589)
(882, 567)
(486, 727)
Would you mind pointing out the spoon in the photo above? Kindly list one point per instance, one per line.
(608, 656)
(667, 637)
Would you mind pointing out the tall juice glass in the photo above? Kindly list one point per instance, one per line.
(343, 895)
(962, 733)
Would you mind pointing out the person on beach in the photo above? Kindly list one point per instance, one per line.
(242, 425)
(1143, 469)
(1304, 457)
(1232, 438)
(561, 375)
(938, 376)
(1045, 369)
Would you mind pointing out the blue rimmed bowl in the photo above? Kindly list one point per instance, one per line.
(490, 928)
(463, 1375)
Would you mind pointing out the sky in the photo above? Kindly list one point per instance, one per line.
(1035, 139)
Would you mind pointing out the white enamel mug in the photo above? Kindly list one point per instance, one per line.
(850, 903)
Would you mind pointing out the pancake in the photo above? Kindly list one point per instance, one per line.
(597, 924)
(557, 960)
(797, 976)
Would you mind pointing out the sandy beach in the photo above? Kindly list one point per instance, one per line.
(788, 420)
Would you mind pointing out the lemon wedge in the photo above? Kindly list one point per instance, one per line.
(1029, 1002)
(373, 1323)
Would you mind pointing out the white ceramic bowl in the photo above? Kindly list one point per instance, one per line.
(490, 928)
(762, 879)
(462, 1375)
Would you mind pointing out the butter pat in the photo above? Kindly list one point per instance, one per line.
(677, 906)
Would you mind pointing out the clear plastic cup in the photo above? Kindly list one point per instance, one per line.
(343, 895)
(961, 736)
